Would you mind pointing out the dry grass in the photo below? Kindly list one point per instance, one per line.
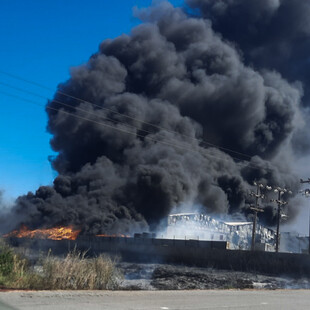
(74, 272)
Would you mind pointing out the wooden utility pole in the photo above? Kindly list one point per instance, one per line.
(280, 203)
(255, 208)
(306, 193)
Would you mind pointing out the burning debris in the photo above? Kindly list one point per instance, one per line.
(57, 233)
(129, 129)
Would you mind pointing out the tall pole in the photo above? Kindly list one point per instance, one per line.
(256, 209)
(254, 231)
(306, 193)
(278, 222)
(255, 218)
(280, 203)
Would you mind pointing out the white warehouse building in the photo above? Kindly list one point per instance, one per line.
(204, 227)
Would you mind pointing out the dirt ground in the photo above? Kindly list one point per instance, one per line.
(177, 277)
(138, 276)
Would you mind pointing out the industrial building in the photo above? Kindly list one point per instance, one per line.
(238, 235)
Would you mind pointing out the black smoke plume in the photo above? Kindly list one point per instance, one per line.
(271, 34)
(152, 97)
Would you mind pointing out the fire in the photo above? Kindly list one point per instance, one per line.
(57, 233)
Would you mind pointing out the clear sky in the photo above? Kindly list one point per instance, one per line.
(40, 41)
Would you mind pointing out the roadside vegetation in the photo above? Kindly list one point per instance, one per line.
(74, 272)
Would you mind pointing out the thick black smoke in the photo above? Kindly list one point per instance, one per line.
(272, 34)
(176, 73)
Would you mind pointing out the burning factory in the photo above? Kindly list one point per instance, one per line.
(147, 248)
(238, 235)
(173, 113)
(160, 117)
(182, 226)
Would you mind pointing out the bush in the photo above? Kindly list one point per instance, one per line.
(13, 267)
(6, 261)
(74, 272)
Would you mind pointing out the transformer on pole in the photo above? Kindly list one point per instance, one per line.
(280, 203)
(255, 208)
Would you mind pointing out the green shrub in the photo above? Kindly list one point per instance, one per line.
(13, 267)
(6, 260)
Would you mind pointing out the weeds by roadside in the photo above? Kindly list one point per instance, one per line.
(75, 271)
(13, 267)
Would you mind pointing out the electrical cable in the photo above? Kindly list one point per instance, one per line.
(79, 109)
(250, 165)
(124, 115)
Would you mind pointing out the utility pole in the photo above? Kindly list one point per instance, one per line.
(306, 193)
(255, 208)
(280, 203)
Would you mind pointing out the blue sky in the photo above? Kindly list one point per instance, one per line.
(40, 41)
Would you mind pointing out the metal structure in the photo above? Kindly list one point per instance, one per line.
(255, 208)
(280, 203)
(199, 226)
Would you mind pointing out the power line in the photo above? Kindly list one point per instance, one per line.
(253, 166)
(109, 126)
(124, 115)
(135, 133)
(76, 108)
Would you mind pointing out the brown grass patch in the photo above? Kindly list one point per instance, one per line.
(74, 272)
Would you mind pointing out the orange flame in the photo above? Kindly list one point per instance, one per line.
(57, 233)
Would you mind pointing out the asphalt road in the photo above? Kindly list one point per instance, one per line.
(158, 300)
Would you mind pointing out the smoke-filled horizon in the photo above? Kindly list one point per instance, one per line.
(194, 81)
